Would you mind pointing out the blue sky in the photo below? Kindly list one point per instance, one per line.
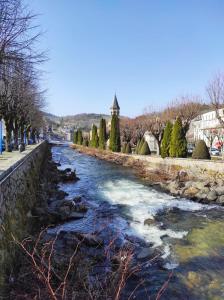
(149, 52)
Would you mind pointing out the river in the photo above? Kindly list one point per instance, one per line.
(188, 236)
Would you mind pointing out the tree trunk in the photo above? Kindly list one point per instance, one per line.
(16, 134)
(9, 127)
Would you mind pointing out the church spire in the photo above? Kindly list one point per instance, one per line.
(115, 108)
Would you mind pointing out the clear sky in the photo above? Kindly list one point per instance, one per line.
(147, 51)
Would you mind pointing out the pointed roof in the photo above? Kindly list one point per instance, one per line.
(115, 103)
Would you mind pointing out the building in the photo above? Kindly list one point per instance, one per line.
(207, 127)
(115, 108)
(152, 142)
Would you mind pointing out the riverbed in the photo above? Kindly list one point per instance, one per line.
(187, 238)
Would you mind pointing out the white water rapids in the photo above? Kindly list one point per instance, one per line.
(144, 203)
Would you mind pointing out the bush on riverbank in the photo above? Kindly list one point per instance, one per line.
(65, 265)
(201, 151)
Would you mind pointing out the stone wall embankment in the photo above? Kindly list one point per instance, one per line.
(200, 180)
(18, 196)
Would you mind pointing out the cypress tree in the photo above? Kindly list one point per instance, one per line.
(79, 137)
(95, 138)
(145, 149)
(165, 145)
(75, 137)
(115, 140)
(102, 134)
(140, 145)
(178, 143)
(128, 148)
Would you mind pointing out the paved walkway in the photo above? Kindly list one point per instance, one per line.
(9, 159)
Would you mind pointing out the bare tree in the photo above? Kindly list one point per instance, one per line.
(215, 90)
(186, 107)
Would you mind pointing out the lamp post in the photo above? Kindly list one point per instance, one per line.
(0, 136)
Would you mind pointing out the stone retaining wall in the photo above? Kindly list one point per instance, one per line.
(18, 195)
(194, 167)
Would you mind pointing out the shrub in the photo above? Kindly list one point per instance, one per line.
(145, 149)
(102, 134)
(178, 143)
(128, 148)
(95, 138)
(165, 145)
(201, 151)
(115, 140)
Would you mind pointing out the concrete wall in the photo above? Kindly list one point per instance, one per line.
(18, 195)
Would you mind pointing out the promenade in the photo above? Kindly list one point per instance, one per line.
(9, 160)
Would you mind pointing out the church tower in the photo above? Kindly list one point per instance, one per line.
(115, 108)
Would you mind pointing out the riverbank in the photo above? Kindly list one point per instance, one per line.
(201, 181)
(64, 264)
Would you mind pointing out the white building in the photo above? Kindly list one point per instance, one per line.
(207, 127)
(153, 145)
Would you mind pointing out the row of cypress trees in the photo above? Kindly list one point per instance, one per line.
(97, 141)
(174, 142)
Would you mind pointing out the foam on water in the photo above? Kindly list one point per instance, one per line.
(141, 203)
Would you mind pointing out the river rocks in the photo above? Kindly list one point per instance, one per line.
(146, 253)
(220, 190)
(220, 199)
(212, 196)
(190, 191)
(68, 175)
(149, 221)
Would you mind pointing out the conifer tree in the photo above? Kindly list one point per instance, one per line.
(178, 143)
(95, 138)
(115, 140)
(140, 145)
(165, 144)
(145, 149)
(79, 137)
(102, 134)
(75, 137)
(128, 148)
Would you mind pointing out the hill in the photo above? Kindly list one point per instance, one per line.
(83, 121)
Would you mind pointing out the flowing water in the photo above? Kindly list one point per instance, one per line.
(189, 236)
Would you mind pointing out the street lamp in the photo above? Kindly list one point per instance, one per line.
(0, 136)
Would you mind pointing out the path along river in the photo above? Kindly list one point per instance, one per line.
(189, 235)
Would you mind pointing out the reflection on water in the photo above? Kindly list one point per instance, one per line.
(189, 235)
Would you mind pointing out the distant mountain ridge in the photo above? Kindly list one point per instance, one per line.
(83, 121)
